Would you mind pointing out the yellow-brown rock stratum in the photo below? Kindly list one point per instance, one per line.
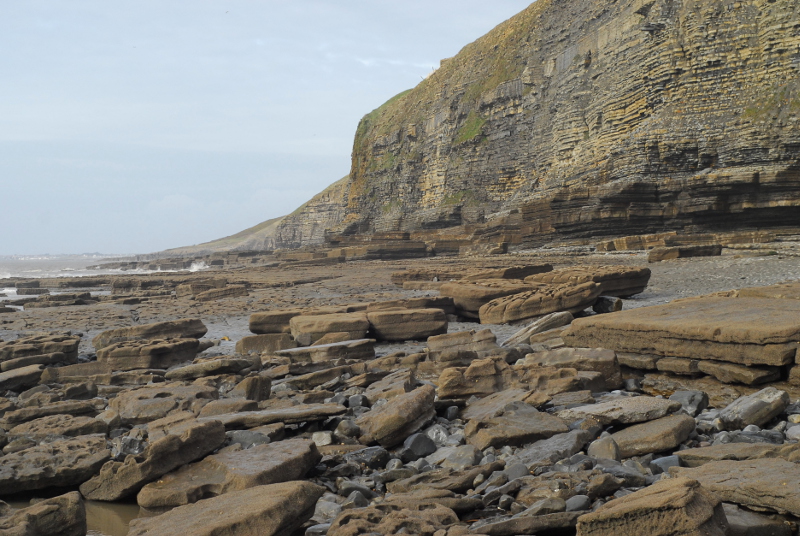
(585, 118)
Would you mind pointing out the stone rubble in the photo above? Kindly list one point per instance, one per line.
(319, 425)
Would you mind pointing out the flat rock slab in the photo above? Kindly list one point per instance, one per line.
(781, 291)
(730, 373)
(118, 480)
(528, 524)
(275, 509)
(190, 328)
(444, 479)
(544, 300)
(290, 415)
(770, 484)
(64, 515)
(624, 410)
(232, 470)
(62, 425)
(148, 354)
(548, 451)
(745, 331)
(224, 365)
(359, 349)
(517, 425)
(669, 507)
(140, 406)
(734, 452)
(390, 424)
(654, 436)
(63, 463)
(407, 324)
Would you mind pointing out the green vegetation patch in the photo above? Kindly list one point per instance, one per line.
(471, 128)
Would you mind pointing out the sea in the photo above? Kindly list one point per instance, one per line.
(46, 266)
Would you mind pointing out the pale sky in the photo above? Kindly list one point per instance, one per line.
(136, 126)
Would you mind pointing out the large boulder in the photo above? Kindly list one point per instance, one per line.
(469, 297)
(484, 377)
(746, 331)
(360, 349)
(624, 410)
(619, 280)
(231, 469)
(764, 484)
(20, 378)
(307, 329)
(407, 324)
(191, 328)
(267, 343)
(147, 354)
(543, 300)
(186, 443)
(391, 519)
(390, 424)
(758, 408)
(516, 424)
(210, 367)
(273, 321)
(61, 463)
(276, 509)
(64, 515)
(586, 359)
(673, 507)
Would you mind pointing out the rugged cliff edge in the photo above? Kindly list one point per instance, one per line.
(581, 119)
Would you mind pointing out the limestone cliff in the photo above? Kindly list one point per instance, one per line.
(587, 118)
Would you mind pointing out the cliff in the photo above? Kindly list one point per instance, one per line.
(586, 118)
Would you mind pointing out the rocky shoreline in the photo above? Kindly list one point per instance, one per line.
(544, 392)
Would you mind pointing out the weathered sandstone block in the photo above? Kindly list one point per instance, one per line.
(148, 354)
(192, 328)
(306, 329)
(669, 507)
(407, 324)
(470, 297)
(622, 281)
(268, 343)
(544, 300)
(770, 484)
(188, 443)
(38, 345)
(62, 463)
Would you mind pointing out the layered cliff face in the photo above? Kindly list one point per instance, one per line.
(588, 118)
